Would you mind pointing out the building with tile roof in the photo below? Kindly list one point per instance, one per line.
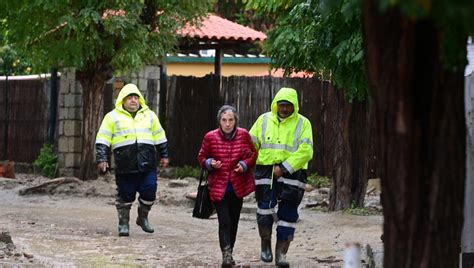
(216, 29)
(211, 37)
(202, 64)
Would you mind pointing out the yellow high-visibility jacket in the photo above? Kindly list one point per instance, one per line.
(132, 139)
(288, 142)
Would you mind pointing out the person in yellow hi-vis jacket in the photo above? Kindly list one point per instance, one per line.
(284, 141)
(135, 134)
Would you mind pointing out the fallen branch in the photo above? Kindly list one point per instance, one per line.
(48, 186)
(330, 259)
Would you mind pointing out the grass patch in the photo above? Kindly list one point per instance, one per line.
(362, 211)
(318, 181)
(319, 209)
(358, 211)
(186, 171)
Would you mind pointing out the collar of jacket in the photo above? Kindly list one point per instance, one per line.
(229, 136)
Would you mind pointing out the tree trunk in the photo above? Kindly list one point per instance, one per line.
(347, 164)
(419, 109)
(93, 84)
(468, 228)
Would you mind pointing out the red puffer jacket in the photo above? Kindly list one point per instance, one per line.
(230, 152)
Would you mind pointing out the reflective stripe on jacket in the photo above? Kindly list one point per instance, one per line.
(289, 141)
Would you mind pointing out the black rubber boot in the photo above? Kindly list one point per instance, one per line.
(231, 258)
(142, 219)
(266, 243)
(281, 249)
(227, 260)
(124, 218)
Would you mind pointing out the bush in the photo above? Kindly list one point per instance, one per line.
(318, 181)
(187, 171)
(359, 211)
(46, 161)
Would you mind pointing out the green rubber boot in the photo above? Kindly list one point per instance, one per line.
(142, 219)
(124, 218)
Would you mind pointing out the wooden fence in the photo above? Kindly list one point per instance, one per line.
(192, 105)
(24, 118)
(340, 129)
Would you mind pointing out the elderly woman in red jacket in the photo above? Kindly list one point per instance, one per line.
(229, 155)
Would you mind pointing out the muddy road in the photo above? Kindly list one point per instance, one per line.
(75, 225)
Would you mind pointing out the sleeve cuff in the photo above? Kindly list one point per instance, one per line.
(208, 163)
(286, 168)
(244, 166)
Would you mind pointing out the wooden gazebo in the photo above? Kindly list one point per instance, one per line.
(218, 33)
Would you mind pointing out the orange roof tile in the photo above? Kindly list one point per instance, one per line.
(219, 29)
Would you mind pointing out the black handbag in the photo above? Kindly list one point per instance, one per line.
(203, 207)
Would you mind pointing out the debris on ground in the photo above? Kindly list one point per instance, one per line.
(48, 186)
(7, 248)
(7, 169)
(74, 224)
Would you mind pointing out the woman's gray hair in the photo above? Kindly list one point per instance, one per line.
(226, 108)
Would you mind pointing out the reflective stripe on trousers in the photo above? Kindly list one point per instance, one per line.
(287, 213)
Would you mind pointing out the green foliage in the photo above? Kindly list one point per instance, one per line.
(358, 211)
(323, 37)
(122, 34)
(277, 7)
(235, 10)
(187, 171)
(353, 204)
(98, 39)
(362, 211)
(319, 209)
(11, 62)
(319, 181)
(46, 161)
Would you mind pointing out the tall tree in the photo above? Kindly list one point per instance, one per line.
(415, 54)
(97, 38)
(234, 10)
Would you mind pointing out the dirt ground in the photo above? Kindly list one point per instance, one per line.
(75, 224)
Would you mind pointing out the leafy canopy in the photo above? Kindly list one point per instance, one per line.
(124, 34)
(324, 36)
(11, 62)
